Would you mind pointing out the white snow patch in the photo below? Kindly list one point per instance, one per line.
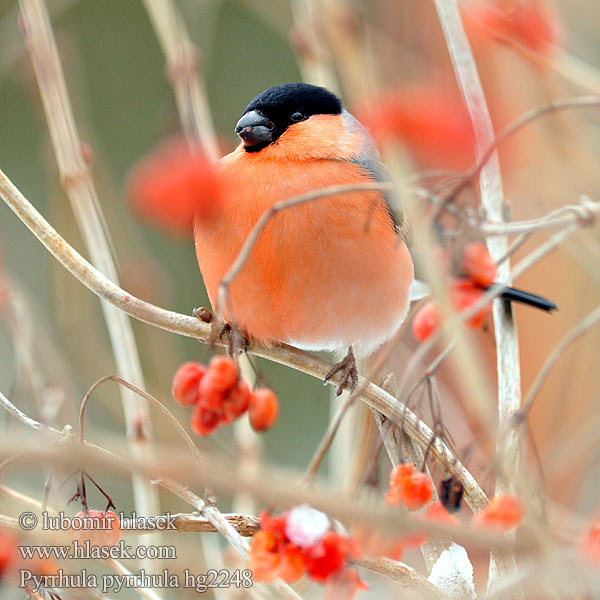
(452, 573)
(305, 526)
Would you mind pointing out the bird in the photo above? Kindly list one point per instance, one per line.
(333, 274)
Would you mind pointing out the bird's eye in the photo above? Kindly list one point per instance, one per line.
(297, 116)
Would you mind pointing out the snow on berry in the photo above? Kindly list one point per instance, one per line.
(305, 526)
(300, 542)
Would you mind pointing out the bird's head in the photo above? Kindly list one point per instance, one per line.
(280, 107)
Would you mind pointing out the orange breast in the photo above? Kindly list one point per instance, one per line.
(322, 275)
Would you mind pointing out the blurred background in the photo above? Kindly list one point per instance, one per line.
(388, 60)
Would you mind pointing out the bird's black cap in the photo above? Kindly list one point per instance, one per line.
(300, 97)
(275, 109)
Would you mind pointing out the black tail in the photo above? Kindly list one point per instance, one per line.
(514, 295)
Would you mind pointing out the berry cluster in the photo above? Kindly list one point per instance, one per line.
(300, 542)
(480, 270)
(219, 396)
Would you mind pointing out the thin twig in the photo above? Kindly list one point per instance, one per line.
(78, 184)
(575, 333)
(183, 71)
(488, 152)
(585, 210)
(245, 525)
(492, 199)
(405, 575)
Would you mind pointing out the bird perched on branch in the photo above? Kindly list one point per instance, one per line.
(331, 274)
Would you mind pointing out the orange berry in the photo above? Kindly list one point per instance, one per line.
(503, 512)
(479, 265)
(427, 320)
(186, 383)
(264, 559)
(264, 409)
(411, 488)
(98, 528)
(224, 372)
(292, 564)
(238, 401)
(205, 421)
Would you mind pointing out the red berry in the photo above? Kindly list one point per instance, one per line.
(8, 551)
(479, 265)
(98, 528)
(427, 320)
(238, 401)
(211, 396)
(264, 409)
(328, 556)
(224, 372)
(205, 421)
(464, 295)
(186, 381)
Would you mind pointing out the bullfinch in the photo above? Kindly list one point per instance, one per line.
(333, 274)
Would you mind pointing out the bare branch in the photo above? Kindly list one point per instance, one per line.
(184, 74)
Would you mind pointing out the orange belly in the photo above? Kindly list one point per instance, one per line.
(322, 275)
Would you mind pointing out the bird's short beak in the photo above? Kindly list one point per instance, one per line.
(253, 128)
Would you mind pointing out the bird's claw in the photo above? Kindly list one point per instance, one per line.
(237, 342)
(349, 373)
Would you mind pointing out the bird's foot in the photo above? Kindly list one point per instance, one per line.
(348, 373)
(237, 342)
(222, 331)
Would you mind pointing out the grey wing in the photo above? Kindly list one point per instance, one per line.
(368, 157)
